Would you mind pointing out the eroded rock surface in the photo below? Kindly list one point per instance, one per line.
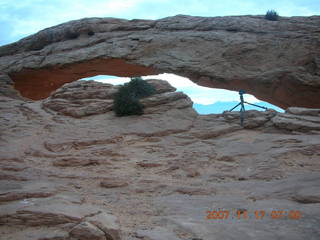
(97, 176)
(277, 61)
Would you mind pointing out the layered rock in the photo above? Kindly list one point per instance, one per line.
(277, 61)
(80, 99)
(85, 98)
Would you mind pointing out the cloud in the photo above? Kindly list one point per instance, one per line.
(29, 16)
(108, 79)
(198, 94)
(207, 96)
(174, 80)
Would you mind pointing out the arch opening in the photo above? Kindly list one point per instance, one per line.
(37, 84)
(206, 100)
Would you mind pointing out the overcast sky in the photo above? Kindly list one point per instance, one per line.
(20, 18)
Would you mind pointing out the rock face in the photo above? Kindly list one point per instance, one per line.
(70, 169)
(84, 98)
(277, 61)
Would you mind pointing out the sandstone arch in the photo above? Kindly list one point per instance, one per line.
(275, 61)
(30, 82)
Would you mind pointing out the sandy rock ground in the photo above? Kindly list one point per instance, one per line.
(69, 171)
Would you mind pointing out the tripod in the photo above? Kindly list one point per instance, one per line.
(242, 109)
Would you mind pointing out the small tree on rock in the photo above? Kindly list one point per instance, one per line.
(271, 15)
(126, 100)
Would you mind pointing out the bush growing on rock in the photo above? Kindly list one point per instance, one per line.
(271, 15)
(140, 88)
(126, 100)
(125, 103)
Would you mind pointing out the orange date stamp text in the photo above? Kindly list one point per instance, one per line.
(255, 214)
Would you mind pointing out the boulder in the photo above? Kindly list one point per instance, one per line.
(108, 223)
(85, 98)
(86, 230)
(303, 111)
(296, 122)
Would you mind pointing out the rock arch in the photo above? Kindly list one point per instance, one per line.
(30, 84)
(276, 61)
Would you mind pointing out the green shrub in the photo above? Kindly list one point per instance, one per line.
(271, 15)
(140, 87)
(126, 100)
(125, 105)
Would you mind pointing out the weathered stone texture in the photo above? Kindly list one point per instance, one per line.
(277, 61)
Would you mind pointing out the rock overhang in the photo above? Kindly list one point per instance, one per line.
(31, 84)
(275, 61)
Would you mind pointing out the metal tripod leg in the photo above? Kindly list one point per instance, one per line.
(242, 112)
(242, 109)
(235, 107)
(256, 105)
